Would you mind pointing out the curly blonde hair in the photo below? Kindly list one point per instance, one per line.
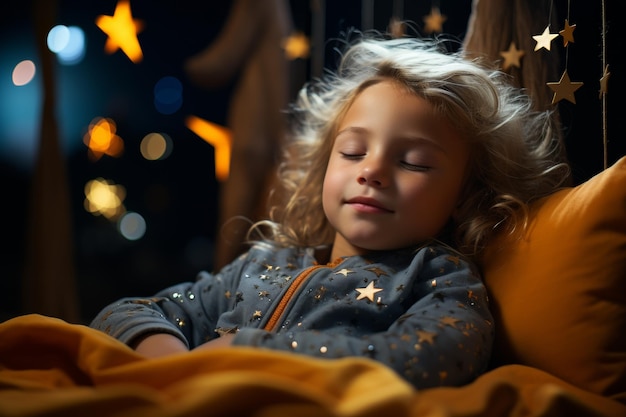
(515, 150)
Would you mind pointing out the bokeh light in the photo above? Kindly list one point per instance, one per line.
(74, 51)
(23, 73)
(58, 38)
(218, 136)
(101, 138)
(168, 95)
(296, 46)
(132, 226)
(68, 43)
(155, 146)
(103, 197)
(122, 30)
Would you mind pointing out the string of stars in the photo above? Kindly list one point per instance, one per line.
(565, 88)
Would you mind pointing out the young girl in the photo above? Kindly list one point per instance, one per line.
(406, 152)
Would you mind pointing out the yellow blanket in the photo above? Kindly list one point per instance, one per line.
(51, 367)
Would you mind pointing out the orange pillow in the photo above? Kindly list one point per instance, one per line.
(559, 292)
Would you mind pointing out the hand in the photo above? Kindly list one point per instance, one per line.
(222, 341)
(159, 345)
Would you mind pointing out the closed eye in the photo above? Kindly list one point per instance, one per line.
(351, 156)
(415, 167)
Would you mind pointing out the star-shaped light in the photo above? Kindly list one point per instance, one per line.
(221, 139)
(604, 81)
(511, 57)
(434, 21)
(296, 46)
(567, 33)
(544, 40)
(122, 31)
(368, 292)
(564, 89)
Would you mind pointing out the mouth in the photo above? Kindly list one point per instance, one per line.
(368, 205)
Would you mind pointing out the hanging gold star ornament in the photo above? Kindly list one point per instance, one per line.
(512, 57)
(604, 81)
(122, 31)
(564, 89)
(368, 292)
(545, 39)
(434, 21)
(567, 33)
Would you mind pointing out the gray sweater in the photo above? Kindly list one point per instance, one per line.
(424, 312)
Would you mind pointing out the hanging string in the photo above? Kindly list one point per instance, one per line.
(605, 140)
(567, 45)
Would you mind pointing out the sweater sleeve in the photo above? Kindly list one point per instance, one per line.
(188, 310)
(443, 336)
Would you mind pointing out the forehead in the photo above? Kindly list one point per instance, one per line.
(392, 110)
(391, 99)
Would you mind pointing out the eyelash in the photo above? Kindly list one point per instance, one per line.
(410, 167)
(417, 168)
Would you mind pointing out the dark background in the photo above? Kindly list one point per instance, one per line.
(178, 195)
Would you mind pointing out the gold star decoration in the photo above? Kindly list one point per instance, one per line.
(424, 336)
(512, 57)
(377, 271)
(567, 33)
(454, 259)
(544, 40)
(368, 292)
(604, 81)
(296, 46)
(434, 21)
(448, 321)
(122, 31)
(257, 314)
(564, 89)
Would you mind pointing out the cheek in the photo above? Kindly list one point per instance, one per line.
(331, 187)
(435, 201)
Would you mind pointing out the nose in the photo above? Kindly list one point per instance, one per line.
(373, 174)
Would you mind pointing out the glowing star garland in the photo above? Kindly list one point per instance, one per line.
(564, 88)
(122, 31)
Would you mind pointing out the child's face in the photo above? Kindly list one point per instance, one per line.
(395, 172)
